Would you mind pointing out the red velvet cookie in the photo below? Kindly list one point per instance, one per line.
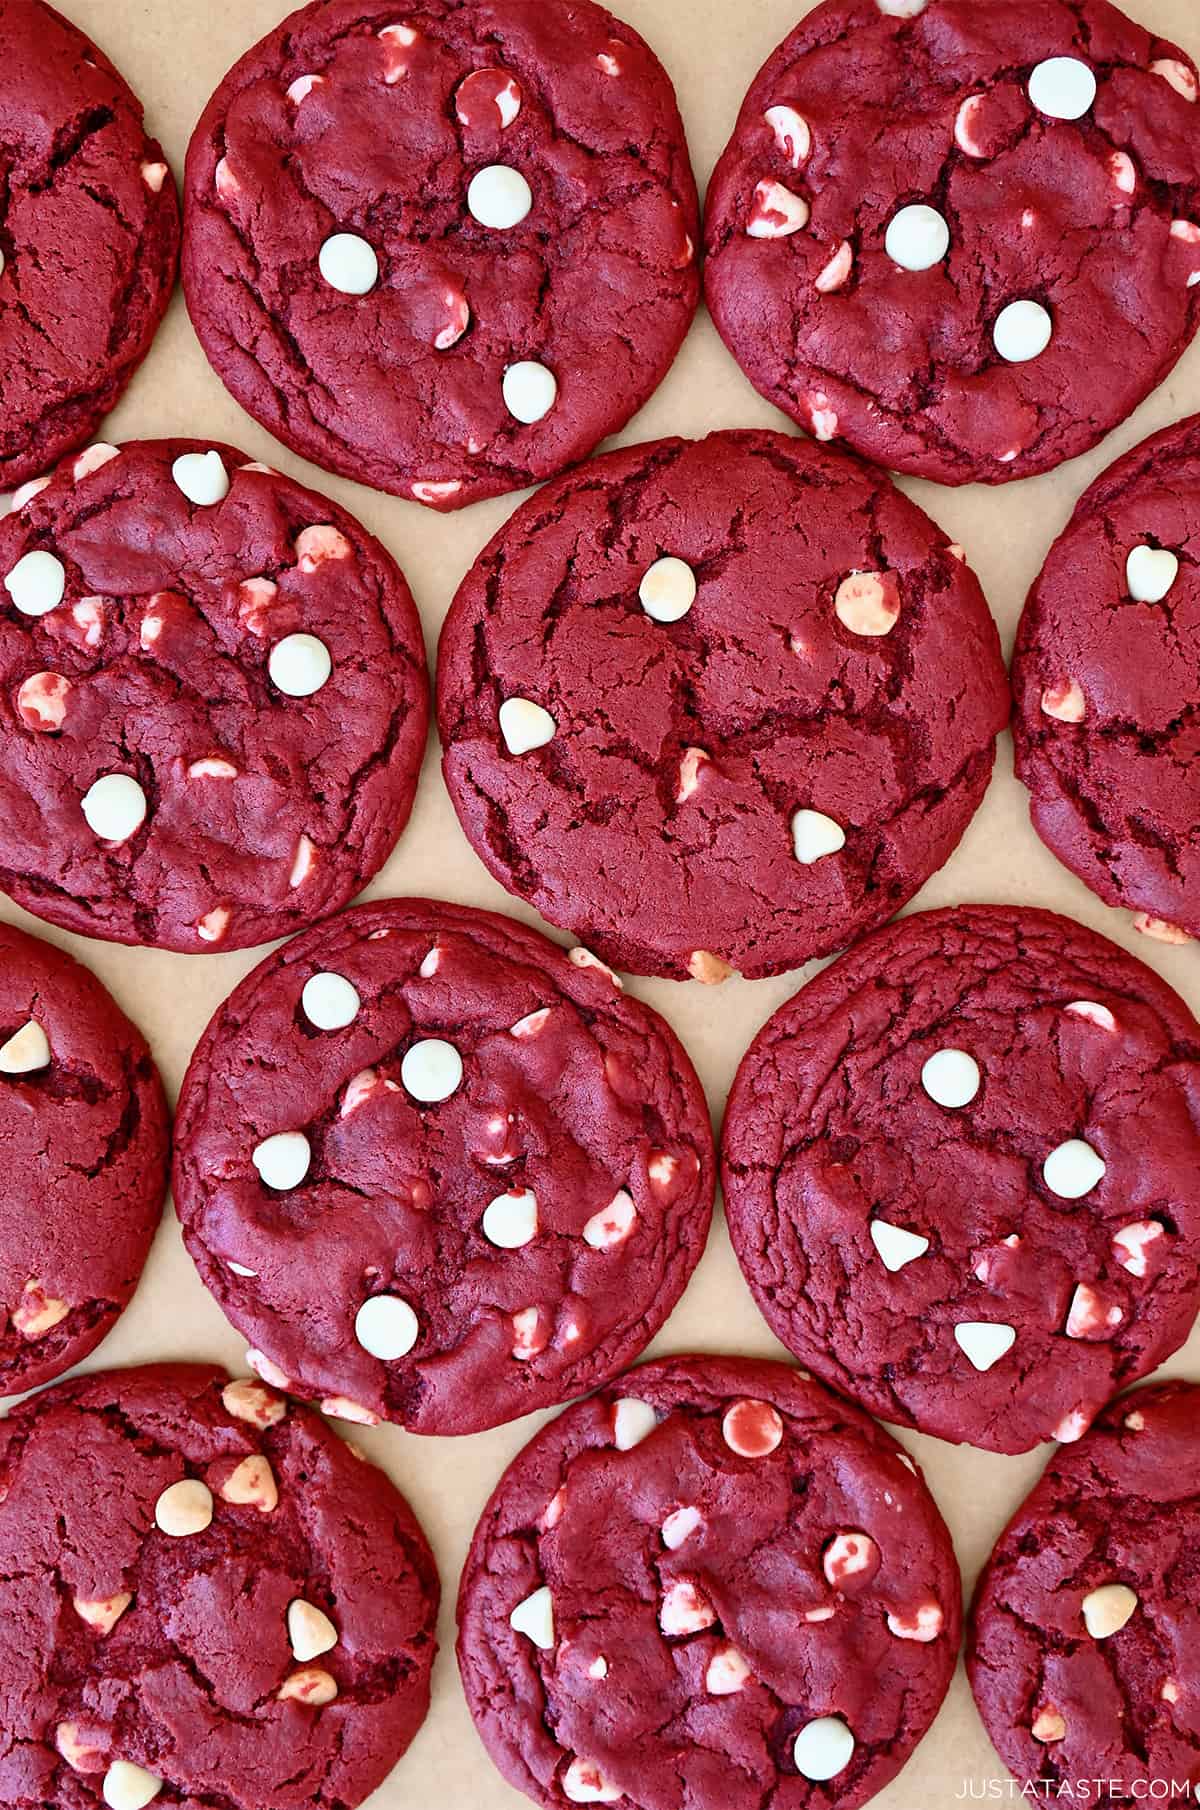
(965, 238)
(1106, 676)
(207, 1598)
(446, 249)
(962, 1174)
(718, 704)
(439, 1171)
(1083, 1655)
(83, 1142)
(213, 699)
(714, 1584)
(90, 241)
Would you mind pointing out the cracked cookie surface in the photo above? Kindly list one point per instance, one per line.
(1106, 675)
(443, 249)
(718, 704)
(84, 1143)
(712, 1585)
(964, 238)
(439, 1173)
(90, 238)
(960, 1174)
(1082, 1652)
(213, 699)
(208, 1599)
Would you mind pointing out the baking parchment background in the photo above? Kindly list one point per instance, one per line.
(174, 52)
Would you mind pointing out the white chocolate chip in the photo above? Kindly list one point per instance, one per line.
(848, 1554)
(534, 1617)
(530, 391)
(340, 1407)
(825, 1612)
(917, 237)
(283, 1160)
(432, 1070)
(211, 768)
(1091, 1013)
(213, 925)
(303, 862)
(1089, 1317)
(154, 175)
(251, 1484)
(984, 1342)
(951, 1078)
(42, 701)
(302, 87)
(1022, 332)
(752, 1429)
(202, 477)
(1124, 173)
(458, 319)
(488, 92)
(299, 665)
(387, 1327)
(1159, 930)
(598, 1667)
(668, 590)
(793, 138)
(584, 1783)
(1150, 572)
(823, 419)
(1107, 1609)
(268, 1370)
(1062, 88)
(923, 1624)
(525, 725)
(26, 1051)
(583, 958)
(348, 264)
(432, 490)
(612, 1225)
(837, 272)
(868, 603)
(38, 1313)
(244, 1400)
(1064, 702)
(679, 1526)
(36, 583)
(225, 181)
(777, 213)
(130, 1787)
(25, 493)
(709, 969)
(1072, 1427)
(532, 1025)
(310, 1631)
(965, 136)
(814, 836)
(320, 543)
(511, 1220)
(102, 1612)
(184, 1508)
(1072, 1170)
(1132, 1243)
(92, 458)
(633, 1421)
(80, 1754)
(114, 807)
(685, 1609)
(895, 1245)
(255, 597)
(726, 1673)
(529, 1338)
(1170, 1691)
(1049, 1726)
(499, 197)
(240, 1269)
(824, 1747)
(1179, 75)
(88, 615)
(311, 1686)
(329, 1002)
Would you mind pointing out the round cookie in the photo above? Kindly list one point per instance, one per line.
(1082, 1652)
(962, 1174)
(722, 704)
(1106, 675)
(712, 1584)
(963, 238)
(84, 1134)
(213, 699)
(444, 252)
(207, 1598)
(90, 243)
(439, 1171)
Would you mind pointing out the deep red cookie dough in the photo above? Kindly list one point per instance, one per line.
(202, 1581)
(83, 1143)
(1106, 676)
(884, 1211)
(838, 663)
(358, 117)
(170, 664)
(728, 1554)
(90, 238)
(529, 1220)
(1083, 1655)
(1088, 211)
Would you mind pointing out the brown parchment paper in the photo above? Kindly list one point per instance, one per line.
(174, 52)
